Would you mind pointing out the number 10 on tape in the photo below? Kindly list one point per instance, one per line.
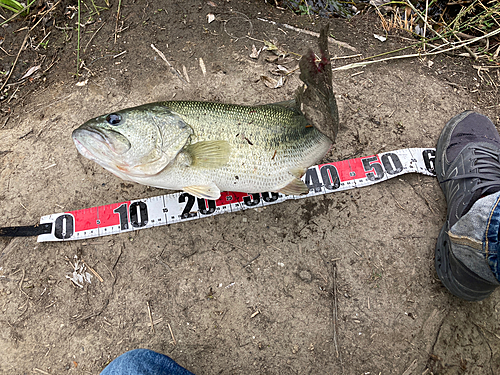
(178, 207)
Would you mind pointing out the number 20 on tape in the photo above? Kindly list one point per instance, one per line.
(178, 207)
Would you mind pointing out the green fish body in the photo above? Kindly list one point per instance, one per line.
(204, 148)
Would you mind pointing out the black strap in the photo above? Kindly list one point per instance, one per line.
(26, 231)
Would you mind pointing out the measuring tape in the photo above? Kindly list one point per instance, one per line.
(179, 207)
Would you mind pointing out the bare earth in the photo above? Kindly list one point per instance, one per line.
(372, 248)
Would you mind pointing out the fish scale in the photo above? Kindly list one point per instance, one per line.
(269, 145)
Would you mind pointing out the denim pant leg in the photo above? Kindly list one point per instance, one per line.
(144, 362)
(474, 238)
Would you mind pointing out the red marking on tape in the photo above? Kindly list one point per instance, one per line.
(106, 215)
(85, 219)
(97, 217)
(228, 197)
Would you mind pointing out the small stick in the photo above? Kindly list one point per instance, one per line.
(5, 123)
(457, 46)
(334, 276)
(346, 57)
(151, 318)
(425, 20)
(120, 54)
(40, 371)
(171, 334)
(312, 33)
(43, 15)
(169, 65)
(117, 18)
(92, 37)
(253, 260)
(94, 272)
(15, 61)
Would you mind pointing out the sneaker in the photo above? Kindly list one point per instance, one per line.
(467, 168)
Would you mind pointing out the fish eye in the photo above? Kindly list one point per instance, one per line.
(113, 119)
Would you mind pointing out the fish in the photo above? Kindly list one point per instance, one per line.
(203, 148)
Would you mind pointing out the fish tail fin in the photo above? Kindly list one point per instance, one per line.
(316, 99)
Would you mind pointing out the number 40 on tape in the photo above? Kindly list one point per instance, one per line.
(178, 207)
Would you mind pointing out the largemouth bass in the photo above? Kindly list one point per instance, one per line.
(204, 148)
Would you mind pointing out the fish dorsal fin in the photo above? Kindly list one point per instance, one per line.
(295, 187)
(288, 104)
(208, 154)
(210, 191)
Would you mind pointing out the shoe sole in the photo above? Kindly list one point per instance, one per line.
(448, 267)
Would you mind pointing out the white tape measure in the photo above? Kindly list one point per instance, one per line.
(174, 208)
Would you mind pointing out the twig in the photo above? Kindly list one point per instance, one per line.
(172, 334)
(45, 37)
(15, 61)
(43, 15)
(21, 285)
(334, 277)
(411, 368)
(93, 271)
(160, 53)
(253, 260)
(92, 37)
(151, 318)
(78, 43)
(312, 33)
(457, 46)
(40, 371)
(346, 57)
(425, 20)
(117, 18)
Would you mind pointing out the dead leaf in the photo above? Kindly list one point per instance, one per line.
(30, 71)
(380, 37)
(273, 83)
(255, 54)
(82, 83)
(282, 70)
(275, 48)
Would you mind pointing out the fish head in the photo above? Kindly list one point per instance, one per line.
(138, 141)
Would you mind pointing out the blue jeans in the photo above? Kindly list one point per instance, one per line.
(144, 362)
(475, 241)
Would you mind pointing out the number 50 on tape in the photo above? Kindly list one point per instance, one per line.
(178, 207)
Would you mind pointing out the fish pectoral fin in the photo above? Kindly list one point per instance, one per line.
(298, 172)
(296, 187)
(209, 154)
(210, 191)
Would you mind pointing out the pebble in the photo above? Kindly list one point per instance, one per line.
(305, 276)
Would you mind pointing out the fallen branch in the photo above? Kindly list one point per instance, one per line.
(456, 46)
(312, 33)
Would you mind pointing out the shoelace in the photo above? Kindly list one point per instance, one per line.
(487, 162)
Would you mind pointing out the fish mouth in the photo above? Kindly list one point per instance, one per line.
(89, 140)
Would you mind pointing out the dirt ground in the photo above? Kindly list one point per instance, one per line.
(366, 254)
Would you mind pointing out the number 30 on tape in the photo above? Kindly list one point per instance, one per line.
(178, 207)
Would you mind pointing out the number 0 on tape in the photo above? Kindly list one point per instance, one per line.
(178, 207)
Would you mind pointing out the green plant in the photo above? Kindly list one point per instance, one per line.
(14, 6)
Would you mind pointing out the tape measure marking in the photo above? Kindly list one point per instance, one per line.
(179, 207)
